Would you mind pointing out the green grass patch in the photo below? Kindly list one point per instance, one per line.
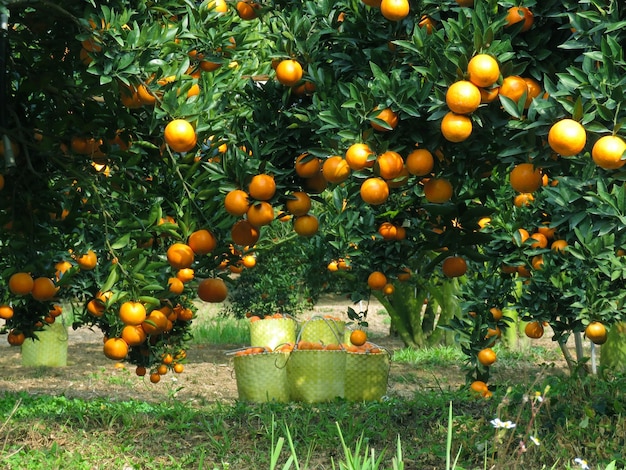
(221, 330)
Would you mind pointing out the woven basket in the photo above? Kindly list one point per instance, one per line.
(366, 376)
(273, 332)
(262, 377)
(316, 375)
(49, 349)
(326, 330)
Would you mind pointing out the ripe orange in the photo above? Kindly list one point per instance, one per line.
(374, 191)
(454, 266)
(537, 262)
(428, 23)
(389, 164)
(335, 169)
(178, 368)
(307, 166)
(61, 268)
(479, 387)
(607, 152)
(523, 234)
(358, 337)
(218, 6)
(395, 10)
(525, 178)
(180, 135)
(376, 280)
(140, 371)
(155, 323)
(518, 14)
(496, 314)
(175, 285)
(420, 162)
(249, 261)
(533, 89)
(16, 338)
(438, 190)
(486, 357)
(534, 329)
(289, 72)
(463, 97)
(236, 202)
(567, 137)
(513, 87)
(456, 127)
(488, 95)
(202, 242)
(316, 184)
(155, 377)
(558, 245)
(523, 199)
(115, 348)
(388, 231)
(389, 289)
(260, 213)
(43, 289)
(132, 313)
(6, 312)
(547, 230)
(298, 203)
(389, 117)
(21, 283)
(134, 335)
(306, 225)
(596, 332)
(358, 156)
(87, 261)
(262, 187)
(213, 290)
(180, 255)
(540, 240)
(247, 9)
(483, 70)
(243, 233)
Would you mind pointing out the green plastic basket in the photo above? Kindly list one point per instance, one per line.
(366, 375)
(273, 332)
(316, 376)
(262, 377)
(324, 330)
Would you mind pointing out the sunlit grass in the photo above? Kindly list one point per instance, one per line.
(221, 330)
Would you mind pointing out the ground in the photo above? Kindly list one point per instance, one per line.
(208, 376)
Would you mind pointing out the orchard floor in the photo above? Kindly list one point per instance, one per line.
(209, 375)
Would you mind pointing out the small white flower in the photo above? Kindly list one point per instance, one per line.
(583, 463)
(536, 441)
(498, 423)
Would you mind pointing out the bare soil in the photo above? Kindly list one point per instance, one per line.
(209, 374)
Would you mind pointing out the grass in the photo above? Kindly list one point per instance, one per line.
(442, 428)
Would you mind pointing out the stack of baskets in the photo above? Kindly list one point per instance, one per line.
(312, 362)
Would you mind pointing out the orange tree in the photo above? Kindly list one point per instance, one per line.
(406, 123)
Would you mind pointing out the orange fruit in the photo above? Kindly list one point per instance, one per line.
(262, 187)
(372, 3)
(486, 357)
(496, 314)
(374, 191)
(298, 203)
(540, 240)
(567, 137)
(185, 274)
(140, 371)
(218, 6)
(534, 329)
(21, 283)
(316, 184)
(389, 117)
(523, 234)
(212, 290)
(132, 313)
(247, 10)
(243, 233)
(358, 156)
(483, 70)
(180, 255)
(456, 127)
(537, 262)
(43, 289)
(518, 14)
(488, 95)
(134, 335)
(463, 97)
(335, 169)
(513, 87)
(438, 190)
(395, 10)
(558, 245)
(202, 242)
(389, 164)
(306, 225)
(175, 285)
(115, 348)
(388, 231)
(358, 337)
(596, 332)
(479, 387)
(428, 23)
(546, 230)
(454, 266)
(236, 202)
(155, 377)
(307, 166)
(155, 323)
(249, 261)
(389, 289)
(178, 368)
(180, 135)
(260, 213)
(533, 90)
(61, 268)
(420, 162)
(607, 152)
(376, 280)
(525, 178)
(16, 338)
(289, 72)
(6, 312)
(523, 199)
(87, 261)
